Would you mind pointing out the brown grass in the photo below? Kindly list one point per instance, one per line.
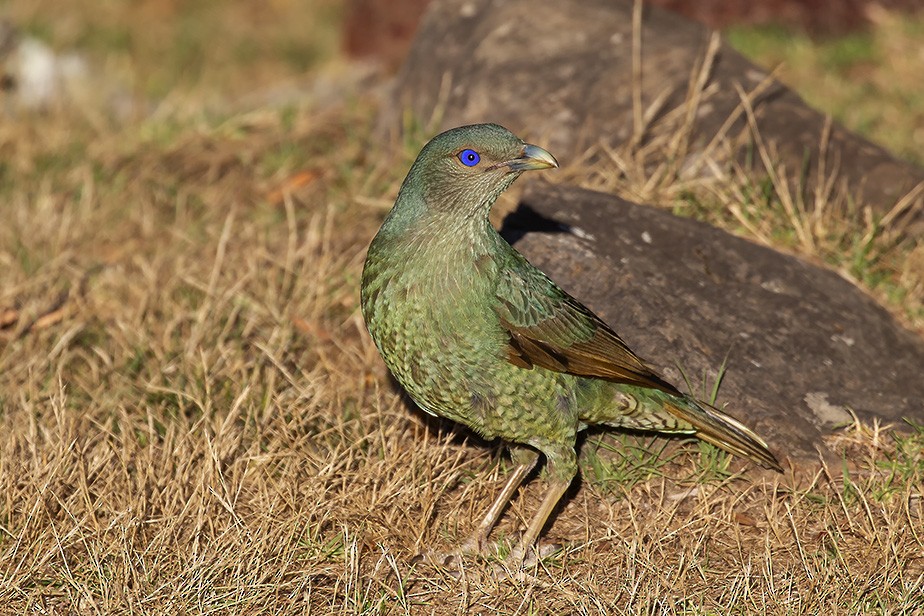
(193, 420)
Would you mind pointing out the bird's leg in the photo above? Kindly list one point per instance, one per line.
(562, 465)
(525, 459)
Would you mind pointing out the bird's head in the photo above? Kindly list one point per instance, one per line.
(462, 171)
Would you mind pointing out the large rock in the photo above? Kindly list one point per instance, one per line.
(561, 71)
(804, 347)
(381, 30)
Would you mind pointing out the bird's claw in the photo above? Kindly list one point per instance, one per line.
(527, 557)
(520, 557)
(472, 546)
(451, 562)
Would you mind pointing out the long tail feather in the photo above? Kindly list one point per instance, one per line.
(714, 426)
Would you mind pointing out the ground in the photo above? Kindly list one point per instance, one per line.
(193, 419)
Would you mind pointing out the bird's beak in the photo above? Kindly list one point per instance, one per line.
(533, 157)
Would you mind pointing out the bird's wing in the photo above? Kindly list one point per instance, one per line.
(549, 328)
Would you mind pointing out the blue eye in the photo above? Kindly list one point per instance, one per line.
(469, 158)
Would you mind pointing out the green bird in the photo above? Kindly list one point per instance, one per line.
(478, 335)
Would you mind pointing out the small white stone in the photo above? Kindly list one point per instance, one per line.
(581, 233)
(845, 339)
(828, 413)
(774, 286)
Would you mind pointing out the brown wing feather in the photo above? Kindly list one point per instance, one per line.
(594, 351)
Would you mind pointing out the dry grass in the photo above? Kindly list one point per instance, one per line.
(867, 80)
(192, 419)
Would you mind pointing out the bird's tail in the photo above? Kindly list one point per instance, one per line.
(714, 426)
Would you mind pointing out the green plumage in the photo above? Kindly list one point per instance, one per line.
(478, 335)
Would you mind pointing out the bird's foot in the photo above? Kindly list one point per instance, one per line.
(528, 556)
(520, 557)
(435, 558)
(473, 545)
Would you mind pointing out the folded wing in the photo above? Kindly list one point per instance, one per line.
(549, 328)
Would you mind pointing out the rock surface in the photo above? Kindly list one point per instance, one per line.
(382, 30)
(804, 347)
(561, 71)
